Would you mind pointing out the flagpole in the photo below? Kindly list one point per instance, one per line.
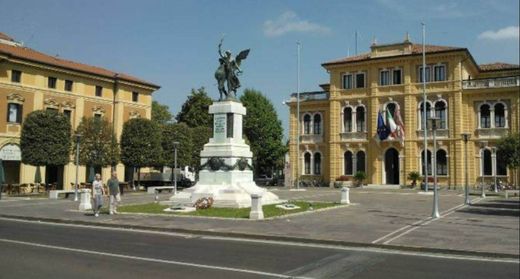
(425, 101)
(298, 117)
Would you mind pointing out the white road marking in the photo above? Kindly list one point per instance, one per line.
(424, 222)
(91, 252)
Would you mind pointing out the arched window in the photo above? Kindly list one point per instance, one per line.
(485, 116)
(501, 164)
(307, 163)
(360, 161)
(500, 115)
(440, 112)
(317, 163)
(347, 119)
(348, 163)
(485, 162)
(442, 162)
(317, 124)
(429, 162)
(421, 114)
(307, 124)
(360, 118)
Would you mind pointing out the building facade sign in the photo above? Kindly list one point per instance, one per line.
(11, 152)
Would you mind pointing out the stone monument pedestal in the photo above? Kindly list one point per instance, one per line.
(226, 164)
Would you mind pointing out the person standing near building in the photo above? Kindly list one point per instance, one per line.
(97, 194)
(113, 190)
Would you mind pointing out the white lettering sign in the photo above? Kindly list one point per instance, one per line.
(219, 127)
(10, 152)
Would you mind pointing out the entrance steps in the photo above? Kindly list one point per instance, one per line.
(383, 186)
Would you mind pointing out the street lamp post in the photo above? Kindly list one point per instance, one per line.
(465, 138)
(483, 193)
(434, 121)
(494, 166)
(78, 138)
(175, 145)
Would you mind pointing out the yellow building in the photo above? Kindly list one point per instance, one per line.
(339, 124)
(31, 80)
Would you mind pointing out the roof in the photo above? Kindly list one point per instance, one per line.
(5, 37)
(498, 66)
(416, 49)
(25, 53)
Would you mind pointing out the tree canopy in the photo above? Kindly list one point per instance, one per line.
(199, 136)
(141, 143)
(178, 132)
(509, 147)
(264, 131)
(45, 139)
(98, 145)
(194, 111)
(161, 113)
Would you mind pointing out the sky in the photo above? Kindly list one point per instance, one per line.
(174, 43)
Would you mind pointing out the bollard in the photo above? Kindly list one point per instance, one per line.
(256, 207)
(85, 204)
(345, 196)
(156, 196)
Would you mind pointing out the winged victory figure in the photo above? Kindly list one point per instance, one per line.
(228, 71)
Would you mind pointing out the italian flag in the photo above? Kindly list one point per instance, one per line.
(390, 123)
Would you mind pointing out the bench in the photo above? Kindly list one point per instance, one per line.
(514, 192)
(151, 190)
(53, 194)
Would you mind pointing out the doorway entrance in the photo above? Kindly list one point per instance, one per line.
(54, 175)
(392, 166)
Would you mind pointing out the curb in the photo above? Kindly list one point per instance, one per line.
(251, 236)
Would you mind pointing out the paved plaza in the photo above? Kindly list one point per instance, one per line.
(389, 218)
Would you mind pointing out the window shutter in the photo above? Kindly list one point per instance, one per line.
(19, 114)
(8, 107)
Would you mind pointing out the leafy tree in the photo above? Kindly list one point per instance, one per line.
(161, 113)
(178, 132)
(141, 144)
(199, 136)
(45, 139)
(98, 145)
(509, 149)
(264, 131)
(194, 111)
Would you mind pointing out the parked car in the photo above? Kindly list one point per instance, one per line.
(264, 180)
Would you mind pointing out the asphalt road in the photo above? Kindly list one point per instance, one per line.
(39, 250)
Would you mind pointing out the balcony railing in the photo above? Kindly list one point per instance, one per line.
(491, 83)
(311, 96)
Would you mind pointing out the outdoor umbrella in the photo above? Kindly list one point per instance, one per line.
(2, 177)
(91, 174)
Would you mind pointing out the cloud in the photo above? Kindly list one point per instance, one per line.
(290, 22)
(425, 9)
(506, 33)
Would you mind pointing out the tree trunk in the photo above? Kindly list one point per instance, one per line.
(138, 178)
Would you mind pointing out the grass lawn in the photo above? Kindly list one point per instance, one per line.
(269, 210)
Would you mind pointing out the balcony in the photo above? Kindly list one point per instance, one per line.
(491, 83)
(492, 133)
(311, 138)
(353, 136)
(440, 134)
(311, 96)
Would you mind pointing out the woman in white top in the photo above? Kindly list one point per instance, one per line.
(97, 194)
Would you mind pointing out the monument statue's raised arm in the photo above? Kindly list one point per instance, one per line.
(228, 71)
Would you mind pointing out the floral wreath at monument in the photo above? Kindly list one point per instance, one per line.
(218, 163)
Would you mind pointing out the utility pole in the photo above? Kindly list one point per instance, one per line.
(298, 46)
(425, 101)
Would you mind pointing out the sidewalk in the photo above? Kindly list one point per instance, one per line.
(377, 218)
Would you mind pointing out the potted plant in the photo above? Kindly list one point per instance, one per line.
(342, 181)
(414, 176)
(359, 176)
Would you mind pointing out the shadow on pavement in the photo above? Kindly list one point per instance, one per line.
(497, 208)
(499, 205)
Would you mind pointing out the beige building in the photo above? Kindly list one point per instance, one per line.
(339, 124)
(31, 80)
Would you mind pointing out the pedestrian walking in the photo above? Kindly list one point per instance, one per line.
(113, 190)
(97, 194)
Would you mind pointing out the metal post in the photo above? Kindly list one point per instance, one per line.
(465, 138)
(78, 137)
(425, 100)
(483, 194)
(298, 117)
(435, 211)
(175, 144)
(494, 165)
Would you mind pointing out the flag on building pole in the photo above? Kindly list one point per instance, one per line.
(390, 123)
(400, 125)
(382, 130)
